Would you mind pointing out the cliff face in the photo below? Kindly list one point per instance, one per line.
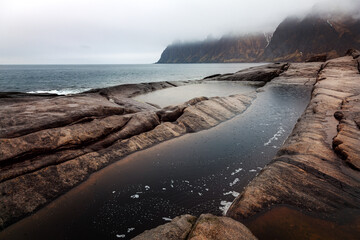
(227, 49)
(294, 40)
(299, 39)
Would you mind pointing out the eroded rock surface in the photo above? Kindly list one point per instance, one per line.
(308, 172)
(206, 227)
(178, 229)
(217, 228)
(49, 144)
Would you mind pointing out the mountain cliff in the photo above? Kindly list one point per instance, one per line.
(246, 48)
(295, 39)
(298, 39)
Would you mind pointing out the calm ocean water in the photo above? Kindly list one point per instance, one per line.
(67, 79)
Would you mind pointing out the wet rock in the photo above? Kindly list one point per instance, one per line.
(217, 228)
(178, 228)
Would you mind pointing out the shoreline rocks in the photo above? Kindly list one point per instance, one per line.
(207, 226)
(317, 169)
(54, 143)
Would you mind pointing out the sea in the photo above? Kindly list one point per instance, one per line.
(71, 79)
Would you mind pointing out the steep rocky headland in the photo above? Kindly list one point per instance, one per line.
(247, 48)
(295, 39)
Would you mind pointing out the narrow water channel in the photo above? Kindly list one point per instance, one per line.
(197, 173)
(171, 96)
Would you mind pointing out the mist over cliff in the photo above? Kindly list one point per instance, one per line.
(246, 48)
(327, 30)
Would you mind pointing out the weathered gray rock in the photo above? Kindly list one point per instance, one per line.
(210, 227)
(299, 74)
(179, 228)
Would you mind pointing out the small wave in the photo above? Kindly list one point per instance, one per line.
(60, 92)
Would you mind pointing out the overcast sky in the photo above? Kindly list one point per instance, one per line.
(126, 31)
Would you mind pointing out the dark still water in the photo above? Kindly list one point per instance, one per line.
(197, 173)
(68, 79)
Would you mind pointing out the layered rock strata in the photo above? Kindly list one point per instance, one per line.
(317, 169)
(49, 144)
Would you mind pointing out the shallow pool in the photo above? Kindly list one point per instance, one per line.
(178, 95)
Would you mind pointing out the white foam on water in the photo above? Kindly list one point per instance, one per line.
(225, 205)
(278, 134)
(252, 170)
(120, 235)
(130, 229)
(236, 171)
(166, 218)
(135, 196)
(147, 187)
(60, 92)
(235, 194)
(234, 182)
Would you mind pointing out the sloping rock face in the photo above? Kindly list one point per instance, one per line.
(206, 227)
(49, 144)
(317, 167)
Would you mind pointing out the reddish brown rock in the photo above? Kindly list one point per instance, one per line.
(317, 58)
(307, 172)
(178, 229)
(210, 227)
(206, 227)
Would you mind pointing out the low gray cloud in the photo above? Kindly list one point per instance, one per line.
(131, 31)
